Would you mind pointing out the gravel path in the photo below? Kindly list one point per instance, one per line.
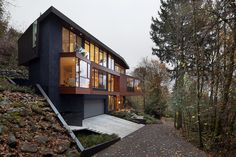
(158, 140)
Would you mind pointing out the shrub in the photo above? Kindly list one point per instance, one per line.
(92, 139)
(147, 119)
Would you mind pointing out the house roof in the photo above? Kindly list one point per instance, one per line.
(60, 15)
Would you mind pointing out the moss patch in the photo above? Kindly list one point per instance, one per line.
(89, 139)
(6, 86)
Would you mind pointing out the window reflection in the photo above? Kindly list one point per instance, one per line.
(119, 69)
(84, 82)
(74, 73)
(104, 59)
(85, 51)
(84, 74)
(110, 62)
(99, 79)
(83, 69)
(130, 84)
(70, 41)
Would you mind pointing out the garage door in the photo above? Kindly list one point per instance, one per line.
(93, 108)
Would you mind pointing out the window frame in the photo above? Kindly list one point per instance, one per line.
(69, 40)
(130, 88)
(101, 74)
(87, 73)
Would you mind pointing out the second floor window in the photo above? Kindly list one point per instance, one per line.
(99, 79)
(70, 41)
(130, 84)
(96, 55)
(74, 72)
(65, 40)
(84, 74)
(119, 69)
(111, 62)
(67, 71)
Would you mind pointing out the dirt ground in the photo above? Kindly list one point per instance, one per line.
(157, 140)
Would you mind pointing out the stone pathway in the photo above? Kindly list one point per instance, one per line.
(157, 140)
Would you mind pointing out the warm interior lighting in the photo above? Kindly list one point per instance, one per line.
(67, 71)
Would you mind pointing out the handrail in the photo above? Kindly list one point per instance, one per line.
(65, 125)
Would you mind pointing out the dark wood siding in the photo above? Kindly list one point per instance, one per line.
(26, 52)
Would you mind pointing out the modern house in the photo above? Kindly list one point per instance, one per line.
(81, 75)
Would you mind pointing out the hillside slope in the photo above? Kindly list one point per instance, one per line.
(28, 126)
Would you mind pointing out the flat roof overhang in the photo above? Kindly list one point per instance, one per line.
(76, 27)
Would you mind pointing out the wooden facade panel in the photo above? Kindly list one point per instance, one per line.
(123, 83)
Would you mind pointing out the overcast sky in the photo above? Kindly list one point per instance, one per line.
(123, 25)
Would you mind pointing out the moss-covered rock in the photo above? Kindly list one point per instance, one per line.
(31, 119)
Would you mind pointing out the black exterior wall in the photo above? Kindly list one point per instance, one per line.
(26, 51)
(45, 71)
(72, 108)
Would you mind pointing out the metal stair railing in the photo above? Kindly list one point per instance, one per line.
(65, 125)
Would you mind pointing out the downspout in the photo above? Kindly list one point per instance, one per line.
(65, 125)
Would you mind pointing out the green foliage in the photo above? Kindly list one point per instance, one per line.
(136, 102)
(8, 41)
(198, 38)
(122, 114)
(154, 80)
(148, 119)
(156, 105)
(5, 86)
(92, 139)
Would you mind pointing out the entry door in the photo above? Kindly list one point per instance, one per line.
(93, 108)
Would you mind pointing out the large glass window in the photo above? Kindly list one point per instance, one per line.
(111, 83)
(99, 79)
(96, 56)
(74, 73)
(72, 42)
(110, 62)
(104, 59)
(91, 52)
(85, 51)
(67, 71)
(130, 84)
(101, 57)
(84, 74)
(65, 40)
(79, 42)
(119, 69)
